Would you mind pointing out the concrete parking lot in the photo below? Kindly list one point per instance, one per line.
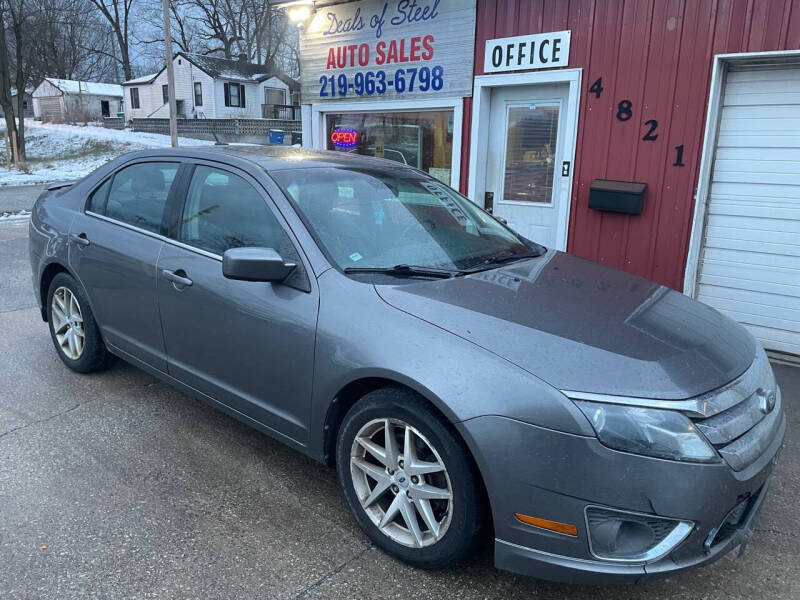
(115, 485)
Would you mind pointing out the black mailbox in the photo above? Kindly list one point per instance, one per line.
(617, 196)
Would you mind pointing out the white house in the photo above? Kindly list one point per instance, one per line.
(65, 99)
(212, 88)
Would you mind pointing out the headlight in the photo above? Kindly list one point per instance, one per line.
(649, 431)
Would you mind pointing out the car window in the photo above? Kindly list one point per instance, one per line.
(98, 198)
(223, 211)
(136, 194)
(379, 217)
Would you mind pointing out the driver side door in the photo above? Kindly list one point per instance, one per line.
(248, 345)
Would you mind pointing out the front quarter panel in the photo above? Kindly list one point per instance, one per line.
(360, 336)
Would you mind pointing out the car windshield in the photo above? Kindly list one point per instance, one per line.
(379, 218)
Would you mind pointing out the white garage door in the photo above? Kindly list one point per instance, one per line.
(750, 261)
(50, 107)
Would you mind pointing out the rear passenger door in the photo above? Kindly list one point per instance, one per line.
(248, 345)
(114, 247)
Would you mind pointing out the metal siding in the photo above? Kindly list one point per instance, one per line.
(658, 55)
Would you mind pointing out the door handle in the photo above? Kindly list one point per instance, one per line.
(177, 277)
(79, 238)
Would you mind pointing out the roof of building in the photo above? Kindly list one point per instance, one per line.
(225, 68)
(143, 79)
(69, 86)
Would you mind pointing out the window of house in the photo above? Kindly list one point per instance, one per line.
(274, 96)
(136, 194)
(165, 93)
(198, 94)
(134, 97)
(234, 95)
(224, 211)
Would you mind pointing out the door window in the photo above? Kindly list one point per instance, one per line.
(224, 211)
(136, 195)
(530, 153)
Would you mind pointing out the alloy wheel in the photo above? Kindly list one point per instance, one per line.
(401, 482)
(65, 311)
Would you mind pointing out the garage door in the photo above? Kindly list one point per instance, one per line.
(50, 107)
(750, 262)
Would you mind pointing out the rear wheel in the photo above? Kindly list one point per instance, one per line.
(408, 479)
(72, 326)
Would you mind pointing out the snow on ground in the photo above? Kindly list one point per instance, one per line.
(58, 152)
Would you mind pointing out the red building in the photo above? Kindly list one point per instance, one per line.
(683, 115)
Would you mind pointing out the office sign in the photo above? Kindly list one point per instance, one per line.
(523, 52)
(394, 49)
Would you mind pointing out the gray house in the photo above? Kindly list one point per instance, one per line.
(27, 110)
(65, 100)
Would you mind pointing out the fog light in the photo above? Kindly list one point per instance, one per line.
(632, 537)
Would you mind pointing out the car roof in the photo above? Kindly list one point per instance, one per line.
(276, 158)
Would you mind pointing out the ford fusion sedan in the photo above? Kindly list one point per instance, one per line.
(464, 381)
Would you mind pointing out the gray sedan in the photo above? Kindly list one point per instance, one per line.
(464, 381)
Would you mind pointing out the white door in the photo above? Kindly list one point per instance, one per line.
(527, 172)
(749, 264)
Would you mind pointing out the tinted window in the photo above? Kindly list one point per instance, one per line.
(224, 211)
(137, 195)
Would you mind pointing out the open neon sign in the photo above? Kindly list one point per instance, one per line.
(344, 137)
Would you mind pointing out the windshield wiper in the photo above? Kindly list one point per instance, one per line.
(404, 271)
(499, 259)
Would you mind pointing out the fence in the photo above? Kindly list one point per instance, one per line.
(254, 131)
(114, 123)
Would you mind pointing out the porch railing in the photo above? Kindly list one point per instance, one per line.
(284, 112)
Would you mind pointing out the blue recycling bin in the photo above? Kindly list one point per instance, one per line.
(275, 136)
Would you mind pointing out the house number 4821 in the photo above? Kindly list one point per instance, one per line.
(624, 113)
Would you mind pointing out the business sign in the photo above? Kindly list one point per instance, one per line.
(395, 49)
(344, 137)
(522, 52)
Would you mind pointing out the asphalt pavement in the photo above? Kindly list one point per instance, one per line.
(14, 198)
(114, 485)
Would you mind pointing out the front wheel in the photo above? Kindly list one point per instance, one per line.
(408, 479)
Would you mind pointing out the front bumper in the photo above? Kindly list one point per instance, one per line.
(554, 476)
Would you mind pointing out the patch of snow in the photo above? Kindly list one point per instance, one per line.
(142, 79)
(69, 86)
(60, 152)
(14, 215)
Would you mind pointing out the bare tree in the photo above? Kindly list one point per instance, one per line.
(5, 77)
(70, 40)
(14, 17)
(118, 13)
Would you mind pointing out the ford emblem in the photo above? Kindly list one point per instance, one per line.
(766, 400)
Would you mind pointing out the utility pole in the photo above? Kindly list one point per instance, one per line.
(173, 107)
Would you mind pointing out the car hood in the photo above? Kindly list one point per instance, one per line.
(582, 326)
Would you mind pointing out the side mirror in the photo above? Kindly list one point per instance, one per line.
(255, 264)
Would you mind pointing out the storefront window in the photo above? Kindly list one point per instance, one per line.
(530, 153)
(420, 139)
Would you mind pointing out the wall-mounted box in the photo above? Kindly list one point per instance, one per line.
(624, 197)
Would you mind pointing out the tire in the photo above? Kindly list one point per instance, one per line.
(85, 354)
(457, 521)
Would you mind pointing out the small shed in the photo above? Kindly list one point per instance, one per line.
(66, 99)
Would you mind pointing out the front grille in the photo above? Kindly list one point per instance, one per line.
(736, 424)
